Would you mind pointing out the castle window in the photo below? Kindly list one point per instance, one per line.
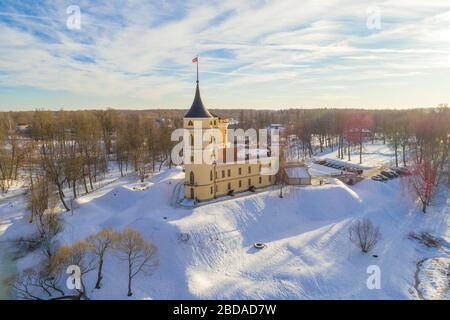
(192, 159)
(249, 169)
(229, 185)
(191, 178)
(210, 175)
(191, 137)
(249, 182)
(211, 190)
(260, 180)
(192, 193)
(190, 123)
(240, 183)
(223, 173)
(270, 178)
(229, 172)
(240, 171)
(215, 122)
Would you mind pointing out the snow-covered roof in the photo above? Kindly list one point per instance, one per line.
(297, 172)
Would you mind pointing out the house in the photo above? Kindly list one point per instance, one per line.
(225, 173)
(23, 128)
(297, 174)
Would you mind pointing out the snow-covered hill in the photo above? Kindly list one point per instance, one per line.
(308, 254)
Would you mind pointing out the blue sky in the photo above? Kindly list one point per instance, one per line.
(253, 54)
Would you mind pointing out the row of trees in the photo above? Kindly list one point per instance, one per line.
(72, 150)
(348, 129)
(81, 258)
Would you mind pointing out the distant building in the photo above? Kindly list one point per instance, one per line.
(23, 128)
(366, 133)
(276, 126)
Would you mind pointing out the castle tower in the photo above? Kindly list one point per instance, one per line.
(218, 174)
(199, 181)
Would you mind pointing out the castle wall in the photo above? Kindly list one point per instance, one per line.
(236, 177)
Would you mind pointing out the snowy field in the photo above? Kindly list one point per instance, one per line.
(308, 254)
(373, 155)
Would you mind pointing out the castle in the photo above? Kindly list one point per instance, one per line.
(226, 172)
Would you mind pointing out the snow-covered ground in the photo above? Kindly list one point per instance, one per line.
(308, 254)
(434, 279)
(373, 155)
(16, 188)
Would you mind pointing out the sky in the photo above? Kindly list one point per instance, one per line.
(252, 54)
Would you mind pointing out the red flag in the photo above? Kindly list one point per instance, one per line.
(195, 60)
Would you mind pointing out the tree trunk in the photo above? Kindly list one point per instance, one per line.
(396, 153)
(348, 152)
(129, 281)
(99, 274)
(360, 150)
(404, 155)
(61, 197)
(74, 189)
(85, 184)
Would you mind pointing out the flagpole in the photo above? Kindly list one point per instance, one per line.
(197, 70)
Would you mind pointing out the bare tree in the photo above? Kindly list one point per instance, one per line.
(40, 283)
(79, 255)
(364, 234)
(31, 284)
(281, 176)
(100, 243)
(42, 205)
(140, 256)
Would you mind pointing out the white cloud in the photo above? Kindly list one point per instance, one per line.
(139, 53)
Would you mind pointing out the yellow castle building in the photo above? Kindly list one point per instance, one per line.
(225, 173)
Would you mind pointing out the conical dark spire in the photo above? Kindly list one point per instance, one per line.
(197, 109)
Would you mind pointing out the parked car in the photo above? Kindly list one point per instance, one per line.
(401, 171)
(387, 174)
(383, 178)
(394, 173)
(396, 169)
(377, 178)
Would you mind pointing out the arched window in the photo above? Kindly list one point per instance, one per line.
(190, 123)
(191, 178)
(191, 137)
(210, 175)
